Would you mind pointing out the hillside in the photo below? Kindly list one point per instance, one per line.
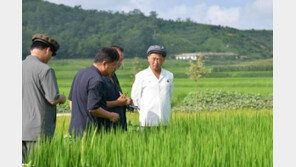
(81, 32)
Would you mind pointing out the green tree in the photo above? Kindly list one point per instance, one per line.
(81, 32)
(196, 71)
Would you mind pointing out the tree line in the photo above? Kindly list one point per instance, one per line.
(81, 32)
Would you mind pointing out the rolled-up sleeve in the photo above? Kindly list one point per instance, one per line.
(136, 91)
(50, 86)
(95, 95)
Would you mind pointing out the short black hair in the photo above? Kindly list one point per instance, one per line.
(41, 46)
(106, 54)
(117, 47)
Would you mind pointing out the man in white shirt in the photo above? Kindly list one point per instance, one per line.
(152, 90)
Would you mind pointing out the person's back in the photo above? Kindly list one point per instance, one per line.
(35, 105)
(40, 93)
(81, 118)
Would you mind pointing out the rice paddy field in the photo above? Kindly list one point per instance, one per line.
(226, 137)
(250, 82)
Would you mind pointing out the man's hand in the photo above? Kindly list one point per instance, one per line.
(100, 112)
(129, 101)
(122, 100)
(62, 99)
(113, 117)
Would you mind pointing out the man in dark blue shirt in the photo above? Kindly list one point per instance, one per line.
(116, 101)
(86, 96)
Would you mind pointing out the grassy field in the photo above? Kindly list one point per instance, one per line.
(227, 138)
(241, 137)
(254, 82)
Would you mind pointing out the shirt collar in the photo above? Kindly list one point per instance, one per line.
(95, 69)
(161, 73)
(33, 57)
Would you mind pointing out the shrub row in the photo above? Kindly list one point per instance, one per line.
(210, 100)
(268, 67)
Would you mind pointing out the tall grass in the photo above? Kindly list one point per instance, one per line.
(229, 138)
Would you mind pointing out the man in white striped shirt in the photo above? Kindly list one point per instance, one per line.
(152, 90)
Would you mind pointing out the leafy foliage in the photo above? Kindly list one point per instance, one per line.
(197, 71)
(63, 108)
(81, 32)
(259, 65)
(217, 100)
(243, 68)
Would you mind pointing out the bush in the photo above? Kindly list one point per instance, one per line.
(210, 100)
(260, 67)
(63, 108)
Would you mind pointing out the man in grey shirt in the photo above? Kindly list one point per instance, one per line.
(40, 93)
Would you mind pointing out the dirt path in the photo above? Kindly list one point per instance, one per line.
(63, 114)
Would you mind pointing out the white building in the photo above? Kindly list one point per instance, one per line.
(195, 56)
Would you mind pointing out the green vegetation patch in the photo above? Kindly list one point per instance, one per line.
(214, 100)
(81, 32)
(228, 138)
(258, 65)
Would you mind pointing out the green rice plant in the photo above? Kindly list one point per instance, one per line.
(226, 138)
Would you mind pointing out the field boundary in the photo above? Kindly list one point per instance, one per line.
(63, 114)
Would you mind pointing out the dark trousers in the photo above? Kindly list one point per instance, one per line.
(26, 147)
